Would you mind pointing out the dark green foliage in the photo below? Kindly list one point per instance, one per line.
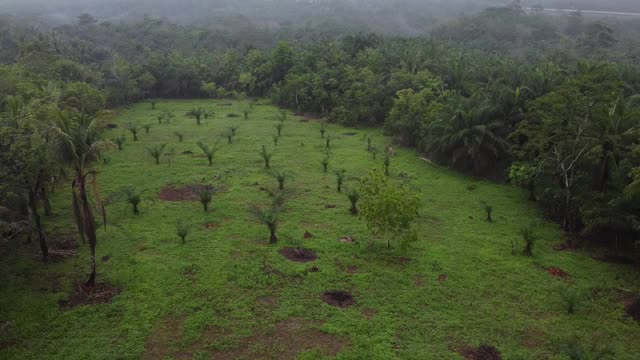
(340, 176)
(574, 298)
(182, 229)
(209, 151)
(246, 113)
(325, 164)
(488, 209)
(282, 116)
(279, 128)
(153, 104)
(168, 115)
(119, 141)
(198, 113)
(233, 129)
(596, 351)
(156, 152)
(328, 142)
(269, 216)
(266, 157)
(529, 237)
(160, 118)
(179, 135)
(205, 196)
(353, 195)
(275, 139)
(374, 152)
(387, 163)
(133, 197)
(134, 131)
(146, 127)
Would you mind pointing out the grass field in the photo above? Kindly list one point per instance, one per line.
(227, 293)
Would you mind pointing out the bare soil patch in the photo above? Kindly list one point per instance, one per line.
(482, 352)
(289, 338)
(184, 193)
(298, 254)
(557, 272)
(347, 240)
(307, 235)
(338, 298)
(212, 225)
(101, 293)
(442, 278)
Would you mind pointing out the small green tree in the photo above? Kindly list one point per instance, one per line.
(229, 136)
(146, 127)
(279, 128)
(323, 129)
(282, 116)
(387, 163)
(275, 139)
(369, 148)
(529, 236)
(134, 131)
(133, 198)
(488, 209)
(266, 157)
(160, 118)
(168, 115)
(246, 113)
(153, 104)
(182, 229)
(179, 135)
(233, 129)
(156, 152)
(208, 151)
(340, 175)
(119, 141)
(325, 164)
(574, 298)
(197, 113)
(269, 216)
(388, 210)
(281, 176)
(328, 142)
(205, 196)
(374, 152)
(353, 195)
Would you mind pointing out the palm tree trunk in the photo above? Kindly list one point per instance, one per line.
(273, 238)
(90, 228)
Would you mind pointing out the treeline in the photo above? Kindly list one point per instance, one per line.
(565, 128)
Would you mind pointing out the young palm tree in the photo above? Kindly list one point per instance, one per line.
(78, 142)
(282, 116)
(156, 152)
(153, 104)
(354, 196)
(205, 195)
(279, 128)
(133, 198)
(281, 176)
(270, 216)
(246, 113)
(340, 175)
(233, 129)
(369, 148)
(160, 118)
(134, 131)
(275, 139)
(182, 229)
(323, 129)
(488, 209)
(229, 136)
(209, 151)
(374, 152)
(179, 135)
(197, 113)
(328, 142)
(119, 141)
(266, 157)
(325, 164)
(146, 128)
(168, 115)
(387, 162)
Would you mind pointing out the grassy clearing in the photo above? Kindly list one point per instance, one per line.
(227, 293)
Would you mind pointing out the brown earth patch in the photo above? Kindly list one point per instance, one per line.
(482, 352)
(347, 240)
(369, 313)
(633, 310)
(330, 206)
(298, 254)
(106, 258)
(314, 269)
(442, 278)
(289, 338)
(184, 193)
(557, 272)
(418, 281)
(101, 293)
(212, 225)
(338, 298)
(532, 338)
(307, 235)
(267, 300)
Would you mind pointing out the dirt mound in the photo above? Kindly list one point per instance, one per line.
(111, 126)
(338, 298)
(101, 293)
(634, 310)
(483, 352)
(557, 272)
(184, 193)
(298, 254)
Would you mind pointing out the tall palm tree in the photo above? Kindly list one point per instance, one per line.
(468, 139)
(78, 143)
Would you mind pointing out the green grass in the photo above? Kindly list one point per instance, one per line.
(220, 277)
